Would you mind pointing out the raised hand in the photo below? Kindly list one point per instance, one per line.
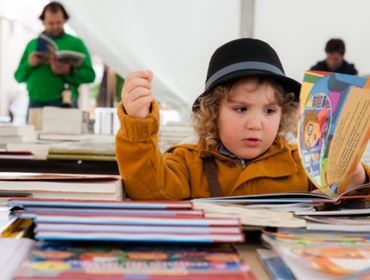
(137, 95)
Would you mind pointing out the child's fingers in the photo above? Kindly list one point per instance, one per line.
(140, 108)
(133, 83)
(138, 93)
(148, 75)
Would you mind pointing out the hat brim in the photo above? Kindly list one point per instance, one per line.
(290, 85)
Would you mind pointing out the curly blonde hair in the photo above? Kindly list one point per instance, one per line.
(204, 119)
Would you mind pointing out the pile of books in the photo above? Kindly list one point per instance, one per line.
(17, 134)
(79, 220)
(83, 151)
(62, 186)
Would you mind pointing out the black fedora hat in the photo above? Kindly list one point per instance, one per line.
(246, 57)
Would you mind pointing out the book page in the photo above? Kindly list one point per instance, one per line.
(334, 127)
(351, 136)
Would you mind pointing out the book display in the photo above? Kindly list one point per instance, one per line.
(116, 224)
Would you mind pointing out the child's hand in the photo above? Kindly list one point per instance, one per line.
(137, 94)
(358, 177)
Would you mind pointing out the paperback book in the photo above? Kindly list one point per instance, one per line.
(46, 45)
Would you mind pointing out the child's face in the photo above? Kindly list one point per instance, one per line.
(249, 120)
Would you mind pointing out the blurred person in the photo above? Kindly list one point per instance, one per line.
(334, 61)
(47, 78)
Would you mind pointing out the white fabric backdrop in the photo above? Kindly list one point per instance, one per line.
(174, 39)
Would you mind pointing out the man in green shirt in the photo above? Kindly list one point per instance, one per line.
(45, 75)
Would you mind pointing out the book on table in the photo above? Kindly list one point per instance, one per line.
(45, 45)
(63, 186)
(333, 134)
(129, 221)
(117, 261)
(322, 255)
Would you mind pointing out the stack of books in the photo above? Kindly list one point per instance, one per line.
(83, 151)
(63, 186)
(17, 134)
(79, 220)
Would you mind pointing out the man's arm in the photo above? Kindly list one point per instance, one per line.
(85, 72)
(24, 68)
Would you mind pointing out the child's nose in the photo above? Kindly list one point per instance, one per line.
(254, 123)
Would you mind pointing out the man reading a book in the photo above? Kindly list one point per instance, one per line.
(46, 76)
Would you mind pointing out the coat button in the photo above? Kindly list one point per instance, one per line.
(231, 164)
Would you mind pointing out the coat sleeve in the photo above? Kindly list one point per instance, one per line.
(146, 173)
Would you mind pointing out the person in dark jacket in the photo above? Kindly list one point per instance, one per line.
(335, 62)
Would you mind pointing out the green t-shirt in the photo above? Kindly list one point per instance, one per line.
(42, 84)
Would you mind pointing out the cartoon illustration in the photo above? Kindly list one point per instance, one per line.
(315, 127)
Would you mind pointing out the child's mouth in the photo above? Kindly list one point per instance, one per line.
(251, 142)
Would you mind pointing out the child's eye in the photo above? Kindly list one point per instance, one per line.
(240, 109)
(270, 111)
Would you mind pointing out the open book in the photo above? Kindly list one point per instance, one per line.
(292, 197)
(46, 45)
(334, 131)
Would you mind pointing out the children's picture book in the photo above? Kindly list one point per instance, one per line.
(334, 129)
(86, 261)
(46, 45)
(322, 255)
(290, 197)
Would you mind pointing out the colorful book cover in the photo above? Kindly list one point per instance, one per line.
(86, 261)
(334, 129)
(323, 255)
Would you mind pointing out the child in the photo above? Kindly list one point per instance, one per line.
(247, 105)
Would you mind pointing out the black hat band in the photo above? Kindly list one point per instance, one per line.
(248, 65)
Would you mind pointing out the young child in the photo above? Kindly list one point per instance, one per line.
(247, 106)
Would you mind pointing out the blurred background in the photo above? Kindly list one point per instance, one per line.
(175, 39)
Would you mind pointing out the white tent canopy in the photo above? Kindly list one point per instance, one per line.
(175, 38)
